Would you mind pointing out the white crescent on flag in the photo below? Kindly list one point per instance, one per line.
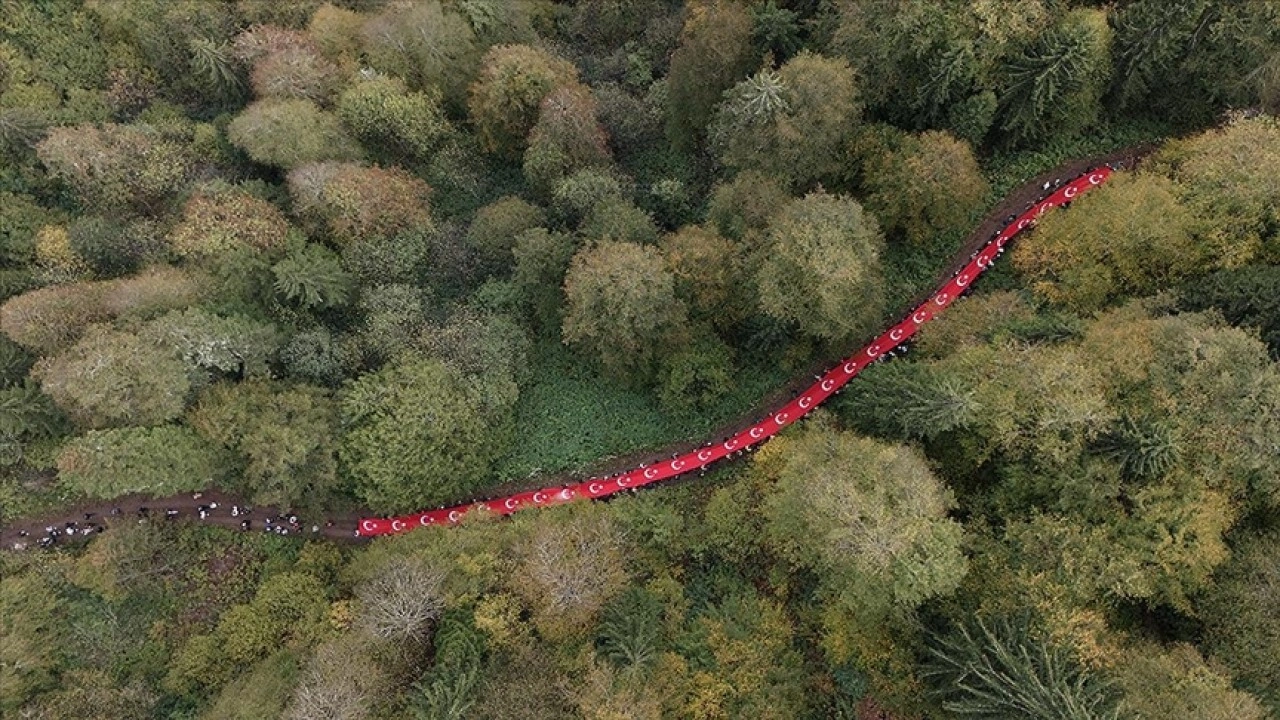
(1070, 192)
(827, 385)
(425, 520)
(962, 281)
(566, 494)
(368, 526)
(511, 503)
(755, 432)
(873, 351)
(806, 401)
(849, 367)
(647, 472)
(983, 261)
(1094, 179)
(622, 480)
(919, 317)
(1024, 222)
(895, 334)
(595, 488)
(677, 465)
(941, 299)
(396, 526)
(731, 444)
(780, 418)
(539, 497)
(704, 455)
(453, 516)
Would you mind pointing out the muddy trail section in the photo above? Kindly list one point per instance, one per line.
(213, 507)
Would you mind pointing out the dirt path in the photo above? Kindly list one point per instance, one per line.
(186, 507)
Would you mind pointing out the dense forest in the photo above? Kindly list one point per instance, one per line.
(381, 255)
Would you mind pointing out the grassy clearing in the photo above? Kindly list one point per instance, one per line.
(568, 417)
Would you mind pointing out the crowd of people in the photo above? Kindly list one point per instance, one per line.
(287, 523)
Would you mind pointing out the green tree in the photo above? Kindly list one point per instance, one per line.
(403, 257)
(822, 269)
(1151, 40)
(711, 275)
(541, 260)
(745, 663)
(113, 378)
(909, 400)
(94, 691)
(210, 344)
(30, 626)
(697, 376)
(284, 437)
(495, 227)
(1159, 683)
(998, 669)
(347, 202)
(1241, 631)
(312, 276)
(1248, 296)
(505, 98)
(384, 115)
(289, 608)
(631, 629)
(714, 53)
(775, 30)
(1226, 179)
(1055, 85)
(159, 460)
(185, 46)
(112, 249)
(615, 219)
(393, 317)
(413, 436)
(430, 44)
(925, 65)
(14, 362)
(1138, 239)
(20, 219)
(119, 169)
(796, 121)
(1187, 60)
(621, 309)
(566, 137)
(578, 193)
(27, 413)
(742, 208)
(928, 185)
(870, 518)
(316, 356)
(222, 220)
(609, 24)
(290, 133)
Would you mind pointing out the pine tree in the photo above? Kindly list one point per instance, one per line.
(998, 669)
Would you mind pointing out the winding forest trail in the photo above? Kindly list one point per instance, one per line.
(1015, 213)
